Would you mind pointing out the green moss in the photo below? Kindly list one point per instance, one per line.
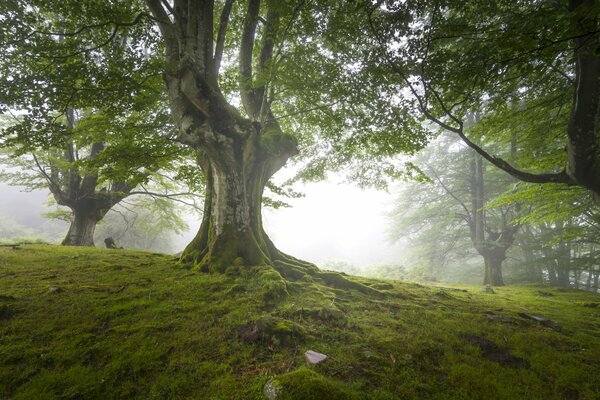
(332, 314)
(267, 283)
(306, 384)
(338, 280)
(136, 325)
(274, 141)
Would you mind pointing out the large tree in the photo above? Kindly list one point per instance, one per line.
(455, 57)
(87, 124)
(238, 154)
(271, 47)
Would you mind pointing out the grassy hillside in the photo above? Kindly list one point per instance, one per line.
(79, 323)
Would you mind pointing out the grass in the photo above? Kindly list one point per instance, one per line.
(84, 323)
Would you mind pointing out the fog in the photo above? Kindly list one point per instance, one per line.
(333, 221)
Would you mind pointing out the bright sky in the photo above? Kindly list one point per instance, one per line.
(334, 221)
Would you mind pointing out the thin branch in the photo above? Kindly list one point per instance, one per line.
(220, 45)
(172, 197)
(247, 93)
(117, 25)
(447, 190)
(79, 30)
(307, 110)
(51, 182)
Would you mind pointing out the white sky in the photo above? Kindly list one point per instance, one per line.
(334, 221)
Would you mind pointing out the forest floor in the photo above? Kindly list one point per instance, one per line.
(85, 323)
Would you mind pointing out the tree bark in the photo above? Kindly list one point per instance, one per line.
(493, 269)
(81, 230)
(231, 232)
(237, 154)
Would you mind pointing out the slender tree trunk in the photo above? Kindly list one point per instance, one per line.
(534, 273)
(576, 277)
(81, 231)
(552, 275)
(563, 259)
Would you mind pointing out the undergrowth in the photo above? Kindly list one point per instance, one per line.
(85, 323)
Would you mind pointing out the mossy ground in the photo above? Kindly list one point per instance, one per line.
(81, 323)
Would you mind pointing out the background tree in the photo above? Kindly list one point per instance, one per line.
(559, 244)
(453, 208)
(90, 136)
(453, 57)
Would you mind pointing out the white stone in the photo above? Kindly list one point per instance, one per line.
(314, 358)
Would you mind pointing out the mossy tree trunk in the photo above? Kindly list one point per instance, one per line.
(87, 212)
(238, 153)
(493, 269)
(82, 228)
(237, 171)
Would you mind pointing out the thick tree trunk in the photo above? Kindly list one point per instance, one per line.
(493, 270)
(87, 212)
(231, 232)
(81, 231)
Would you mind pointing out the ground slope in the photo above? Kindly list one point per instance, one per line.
(80, 323)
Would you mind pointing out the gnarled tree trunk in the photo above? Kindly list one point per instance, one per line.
(237, 154)
(88, 211)
(493, 268)
(231, 231)
(82, 228)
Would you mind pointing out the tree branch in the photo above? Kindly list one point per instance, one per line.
(447, 190)
(265, 60)
(247, 93)
(222, 33)
(54, 187)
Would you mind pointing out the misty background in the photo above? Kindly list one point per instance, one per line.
(334, 223)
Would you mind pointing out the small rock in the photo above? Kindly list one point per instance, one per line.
(543, 294)
(54, 289)
(271, 390)
(366, 353)
(314, 358)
